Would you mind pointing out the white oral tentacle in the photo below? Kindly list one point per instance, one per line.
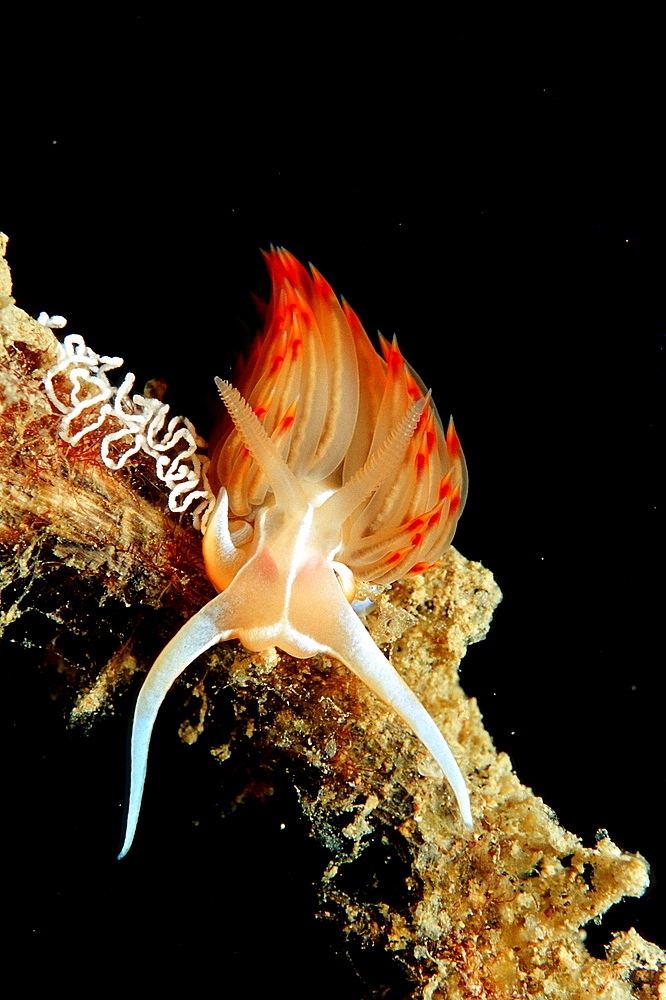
(195, 637)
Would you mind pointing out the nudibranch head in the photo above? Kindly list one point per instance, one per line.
(331, 467)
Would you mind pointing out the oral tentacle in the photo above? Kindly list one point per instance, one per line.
(369, 663)
(340, 633)
(208, 627)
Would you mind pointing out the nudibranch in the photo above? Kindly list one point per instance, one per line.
(331, 467)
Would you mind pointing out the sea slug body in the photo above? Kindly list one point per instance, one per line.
(331, 467)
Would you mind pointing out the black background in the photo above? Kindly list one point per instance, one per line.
(508, 227)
